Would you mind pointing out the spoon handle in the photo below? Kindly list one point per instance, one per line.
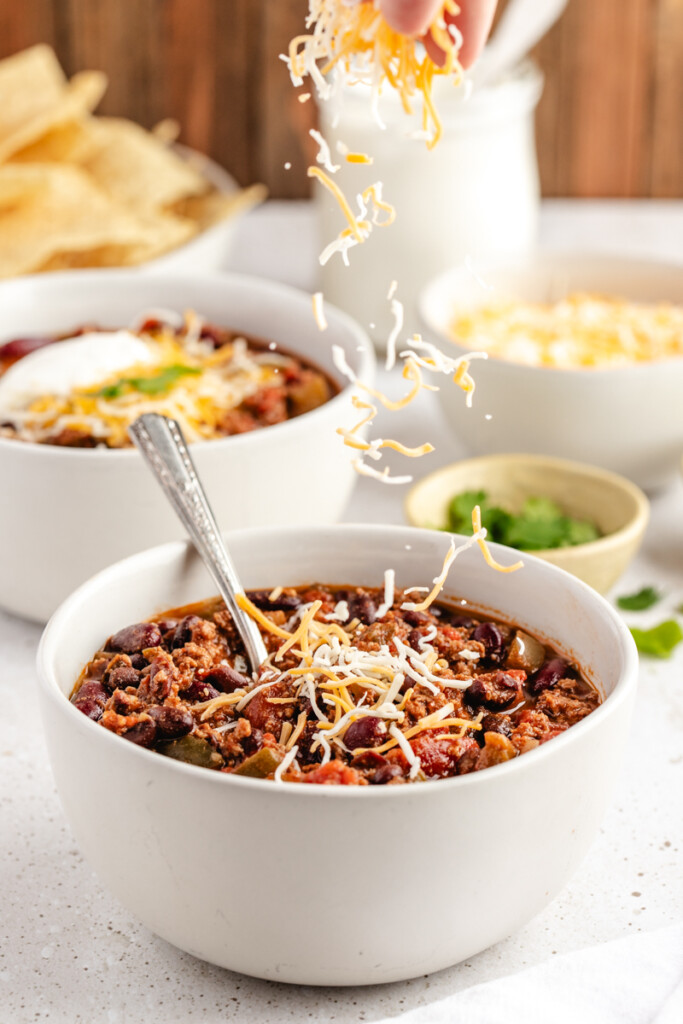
(161, 442)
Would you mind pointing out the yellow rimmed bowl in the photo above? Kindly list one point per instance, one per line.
(618, 507)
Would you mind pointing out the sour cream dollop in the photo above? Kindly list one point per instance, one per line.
(71, 365)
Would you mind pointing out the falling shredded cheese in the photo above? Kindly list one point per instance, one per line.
(440, 580)
(354, 41)
(319, 311)
(480, 535)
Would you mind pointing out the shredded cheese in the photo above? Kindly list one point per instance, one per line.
(480, 534)
(284, 764)
(354, 41)
(581, 331)
(319, 311)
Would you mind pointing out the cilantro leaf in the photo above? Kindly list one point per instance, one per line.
(156, 384)
(580, 531)
(660, 640)
(639, 601)
(541, 523)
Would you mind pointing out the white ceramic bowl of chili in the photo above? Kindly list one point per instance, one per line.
(326, 885)
(65, 513)
(626, 418)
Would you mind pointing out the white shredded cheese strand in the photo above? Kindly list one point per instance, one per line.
(324, 156)
(389, 583)
(285, 763)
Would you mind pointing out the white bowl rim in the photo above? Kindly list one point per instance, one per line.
(121, 275)
(545, 257)
(162, 553)
(573, 468)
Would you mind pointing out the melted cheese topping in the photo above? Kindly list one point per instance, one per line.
(580, 331)
(181, 377)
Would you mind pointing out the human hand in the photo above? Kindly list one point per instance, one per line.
(413, 18)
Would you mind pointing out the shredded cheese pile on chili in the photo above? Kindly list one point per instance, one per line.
(351, 683)
(187, 380)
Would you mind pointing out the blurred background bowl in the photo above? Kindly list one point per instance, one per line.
(617, 507)
(628, 419)
(211, 248)
(68, 512)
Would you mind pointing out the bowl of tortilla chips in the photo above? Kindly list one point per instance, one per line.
(78, 190)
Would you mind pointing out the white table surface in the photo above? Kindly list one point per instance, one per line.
(70, 953)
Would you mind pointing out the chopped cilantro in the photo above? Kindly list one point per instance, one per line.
(660, 640)
(541, 523)
(155, 384)
(639, 601)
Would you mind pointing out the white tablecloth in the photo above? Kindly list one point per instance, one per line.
(70, 953)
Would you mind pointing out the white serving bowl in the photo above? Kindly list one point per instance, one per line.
(66, 513)
(627, 419)
(316, 884)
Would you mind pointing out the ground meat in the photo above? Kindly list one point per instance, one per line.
(175, 685)
(568, 702)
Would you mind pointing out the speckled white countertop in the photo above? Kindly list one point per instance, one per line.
(69, 953)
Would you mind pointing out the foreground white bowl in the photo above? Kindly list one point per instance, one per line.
(66, 513)
(627, 419)
(329, 885)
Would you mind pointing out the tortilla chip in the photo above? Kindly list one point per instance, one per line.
(58, 209)
(35, 97)
(67, 143)
(138, 170)
(212, 207)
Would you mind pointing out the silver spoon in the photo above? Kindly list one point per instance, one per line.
(161, 442)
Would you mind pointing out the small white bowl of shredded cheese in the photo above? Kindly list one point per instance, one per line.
(585, 359)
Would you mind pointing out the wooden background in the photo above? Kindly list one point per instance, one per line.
(610, 122)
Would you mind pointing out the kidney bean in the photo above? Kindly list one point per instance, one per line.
(143, 733)
(171, 722)
(385, 774)
(495, 723)
(167, 626)
(362, 607)
(184, 631)
(418, 618)
(16, 349)
(414, 637)
(91, 699)
(216, 335)
(548, 675)
(133, 639)
(199, 690)
(121, 677)
(488, 634)
(369, 760)
(495, 690)
(365, 732)
(252, 742)
(223, 678)
(283, 603)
